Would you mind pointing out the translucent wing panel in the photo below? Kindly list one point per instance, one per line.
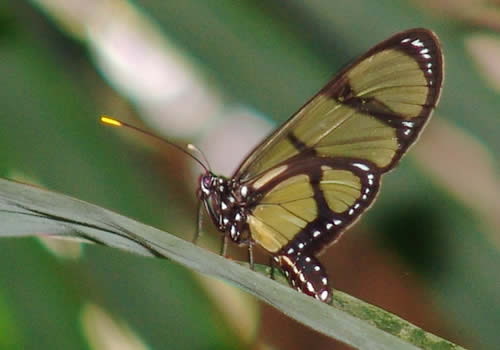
(341, 189)
(283, 212)
(373, 110)
(394, 79)
(345, 132)
(291, 189)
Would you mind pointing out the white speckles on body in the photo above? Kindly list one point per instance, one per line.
(244, 191)
(302, 277)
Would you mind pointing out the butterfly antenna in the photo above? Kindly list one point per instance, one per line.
(192, 147)
(118, 123)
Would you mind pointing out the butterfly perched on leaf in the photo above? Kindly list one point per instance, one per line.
(314, 176)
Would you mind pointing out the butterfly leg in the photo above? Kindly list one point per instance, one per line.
(250, 256)
(272, 265)
(306, 274)
(223, 248)
(199, 225)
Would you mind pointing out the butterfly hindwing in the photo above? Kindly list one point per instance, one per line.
(310, 201)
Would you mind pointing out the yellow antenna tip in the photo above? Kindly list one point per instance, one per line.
(110, 121)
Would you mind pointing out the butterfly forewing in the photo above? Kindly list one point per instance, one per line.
(373, 110)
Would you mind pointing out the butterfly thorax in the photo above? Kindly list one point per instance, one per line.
(228, 205)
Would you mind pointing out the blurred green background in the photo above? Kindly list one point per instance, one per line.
(222, 74)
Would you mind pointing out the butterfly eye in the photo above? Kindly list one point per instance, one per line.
(207, 181)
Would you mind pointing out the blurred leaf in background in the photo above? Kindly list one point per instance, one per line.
(222, 75)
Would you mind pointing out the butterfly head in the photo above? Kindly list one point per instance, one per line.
(208, 182)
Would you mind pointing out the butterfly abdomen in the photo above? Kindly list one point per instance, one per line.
(305, 273)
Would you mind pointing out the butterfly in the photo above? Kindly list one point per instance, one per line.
(314, 176)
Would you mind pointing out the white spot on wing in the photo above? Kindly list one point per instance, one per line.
(361, 166)
(417, 43)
